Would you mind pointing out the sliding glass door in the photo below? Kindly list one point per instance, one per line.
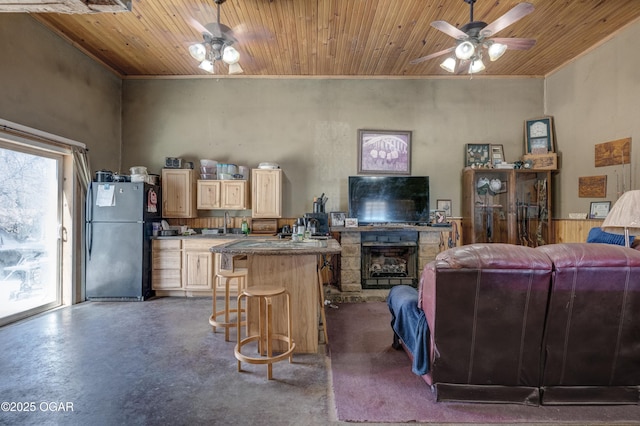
(30, 218)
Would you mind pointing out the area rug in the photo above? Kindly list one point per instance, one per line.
(372, 382)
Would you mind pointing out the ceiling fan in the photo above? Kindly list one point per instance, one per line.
(217, 45)
(475, 39)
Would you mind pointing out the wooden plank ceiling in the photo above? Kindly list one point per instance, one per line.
(363, 38)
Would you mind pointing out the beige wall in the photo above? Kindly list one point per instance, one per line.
(309, 126)
(49, 85)
(595, 100)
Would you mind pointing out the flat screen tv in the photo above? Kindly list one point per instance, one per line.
(389, 199)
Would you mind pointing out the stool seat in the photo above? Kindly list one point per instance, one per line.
(265, 335)
(263, 291)
(240, 275)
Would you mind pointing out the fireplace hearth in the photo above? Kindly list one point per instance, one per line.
(389, 258)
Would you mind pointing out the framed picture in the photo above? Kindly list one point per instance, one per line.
(497, 154)
(337, 218)
(384, 152)
(477, 155)
(599, 209)
(538, 135)
(445, 206)
(351, 222)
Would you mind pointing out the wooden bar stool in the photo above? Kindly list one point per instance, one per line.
(228, 276)
(265, 336)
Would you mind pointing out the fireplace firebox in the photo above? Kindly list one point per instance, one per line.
(389, 258)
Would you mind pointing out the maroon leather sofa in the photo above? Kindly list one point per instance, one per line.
(558, 324)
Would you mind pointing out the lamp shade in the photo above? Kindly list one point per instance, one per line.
(198, 51)
(230, 55)
(624, 217)
(465, 50)
(449, 64)
(496, 50)
(476, 66)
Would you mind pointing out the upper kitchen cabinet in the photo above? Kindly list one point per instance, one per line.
(223, 195)
(266, 192)
(178, 193)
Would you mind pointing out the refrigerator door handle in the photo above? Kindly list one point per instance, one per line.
(89, 239)
(89, 206)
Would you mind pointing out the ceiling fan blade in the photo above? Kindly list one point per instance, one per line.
(519, 11)
(198, 26)
(433, 55)
(449, 30)
(516, 43)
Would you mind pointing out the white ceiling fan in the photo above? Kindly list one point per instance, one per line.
(217, 45)
(475, 39)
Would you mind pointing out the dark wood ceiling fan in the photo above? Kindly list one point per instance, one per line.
(476, 37)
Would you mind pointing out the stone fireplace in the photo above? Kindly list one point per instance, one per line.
(351, 270)
(388, 259)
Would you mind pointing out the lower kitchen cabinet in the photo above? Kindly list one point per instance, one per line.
(166, 264)
(183, 266)
(197, 267)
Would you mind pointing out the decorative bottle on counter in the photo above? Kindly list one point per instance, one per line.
(245, 227)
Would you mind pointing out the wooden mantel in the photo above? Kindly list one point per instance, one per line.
(64, 6)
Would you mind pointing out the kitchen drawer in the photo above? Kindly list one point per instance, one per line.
(202, 244)
(173, 244)
(166, 259)
(166, 279)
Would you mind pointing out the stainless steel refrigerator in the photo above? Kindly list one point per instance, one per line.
(119, 225)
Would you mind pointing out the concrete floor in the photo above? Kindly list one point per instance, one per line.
(153, 362)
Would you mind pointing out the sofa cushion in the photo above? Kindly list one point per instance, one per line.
(593, 330)
(485, 305)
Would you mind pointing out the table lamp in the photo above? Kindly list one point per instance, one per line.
(624, 217)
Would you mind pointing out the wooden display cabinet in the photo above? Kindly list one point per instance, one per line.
(266, 193)
(506, 206)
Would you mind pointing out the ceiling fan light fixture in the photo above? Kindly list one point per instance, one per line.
(198, 52)
(207, 65)
(230, 55)
(496, 50)
(476, 66)
(235, 68)
(465, 50)
(449, 64)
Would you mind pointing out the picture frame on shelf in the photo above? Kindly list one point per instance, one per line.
(538, 135)
(337, 218)
(497, 154)
(445, 206)
(384, 152)
(477, 155)
(351, 222)
(599, 209)
(439, 218)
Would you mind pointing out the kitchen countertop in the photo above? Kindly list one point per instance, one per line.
(211, 236)
(276, 247)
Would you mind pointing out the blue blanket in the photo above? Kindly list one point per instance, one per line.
(410, 324)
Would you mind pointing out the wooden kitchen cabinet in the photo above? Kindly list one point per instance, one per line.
(197, 267)
(184, 266)
(166, 264)
(223, 195)
(266, 193)
(208, 194)
(178, 193)
(506, 206)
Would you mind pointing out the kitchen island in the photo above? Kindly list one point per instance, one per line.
(294, 266)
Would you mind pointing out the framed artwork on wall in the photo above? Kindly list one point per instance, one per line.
(599, 209)
(445, 206)
(538, 134)
(384, 152)
(477, 155)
